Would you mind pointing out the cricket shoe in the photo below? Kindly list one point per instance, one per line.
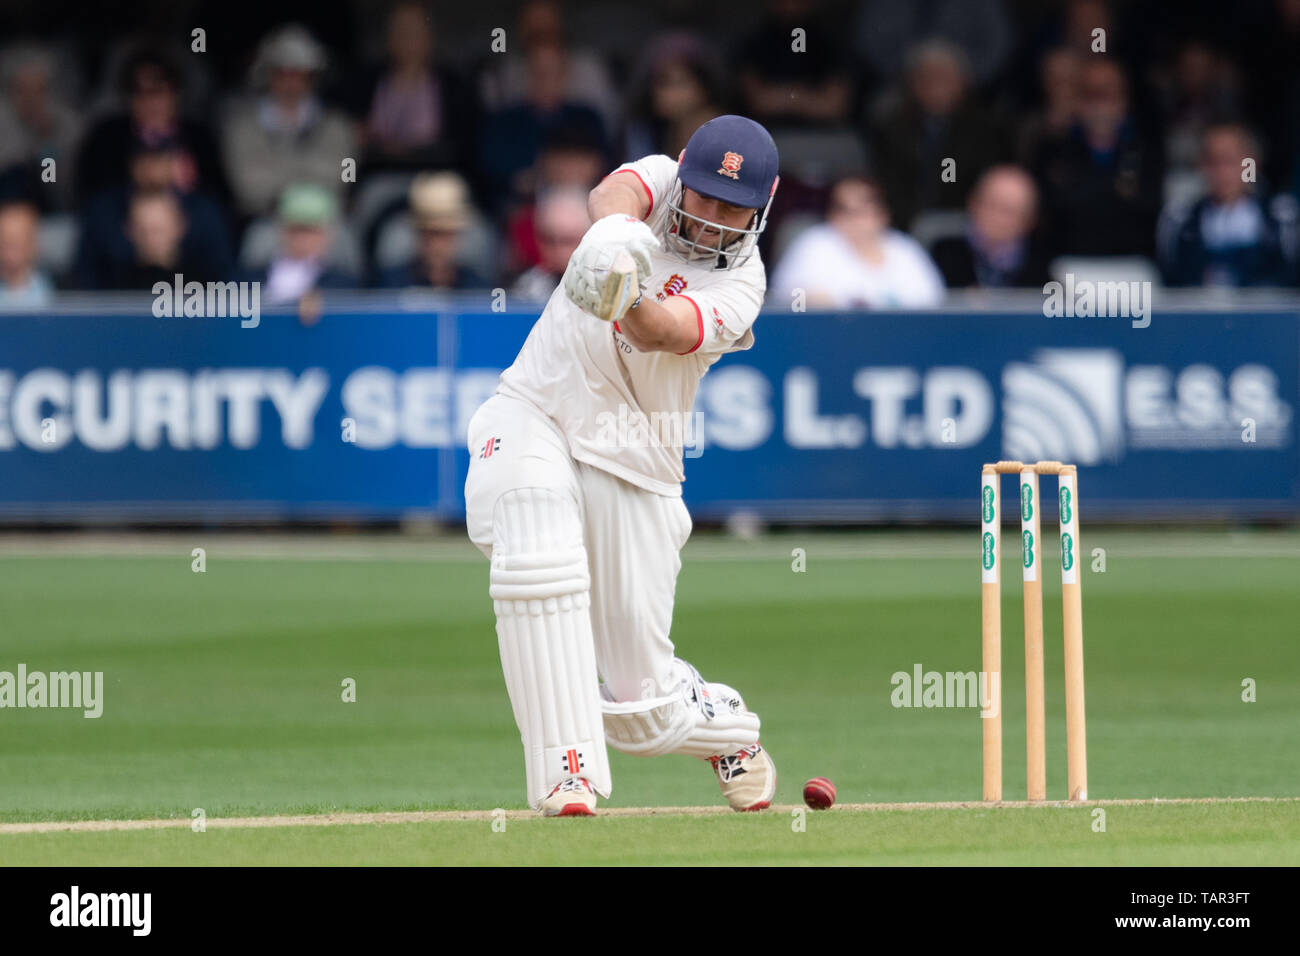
(747, 778)
(572, 797)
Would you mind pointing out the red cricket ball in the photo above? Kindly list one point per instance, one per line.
(819, 793)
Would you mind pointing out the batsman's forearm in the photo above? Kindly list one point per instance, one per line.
(650, 326)
(614, 197)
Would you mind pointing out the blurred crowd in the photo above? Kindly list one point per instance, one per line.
(926, 145)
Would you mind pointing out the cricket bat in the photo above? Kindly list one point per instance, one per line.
(620, 288)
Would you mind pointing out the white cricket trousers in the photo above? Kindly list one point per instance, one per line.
(633, 538)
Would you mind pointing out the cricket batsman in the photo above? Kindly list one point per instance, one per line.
(582, 517)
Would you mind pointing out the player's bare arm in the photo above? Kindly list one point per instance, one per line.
(673, 325)
(669, 326)
(621, 192)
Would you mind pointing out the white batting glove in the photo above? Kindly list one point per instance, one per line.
(625, 232)
(605, 272)
(606, 284)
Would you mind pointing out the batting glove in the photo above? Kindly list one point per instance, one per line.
(593, 284)
(624, 232)
(597, 287)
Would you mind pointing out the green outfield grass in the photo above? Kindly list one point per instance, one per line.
(223, 692)
(1205, 835)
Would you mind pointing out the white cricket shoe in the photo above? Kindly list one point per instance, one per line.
(747, 778)
(572, 797)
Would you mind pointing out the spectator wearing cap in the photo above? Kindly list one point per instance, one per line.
(440, 208)
(854, 260)
(22, 284)
(1000, 248)
(35, 122)
(237, 29)
(561, 221)
(285, 134)
(306, 220)
(1229, 236)
(151, 86)
(105, 250)
(417, 114)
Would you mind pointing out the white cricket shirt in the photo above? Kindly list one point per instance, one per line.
(624, 411)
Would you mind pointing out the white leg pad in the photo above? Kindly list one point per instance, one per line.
(540, 591)
(650, 727)
(700, 719)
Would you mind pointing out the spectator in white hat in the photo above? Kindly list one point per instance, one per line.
(440, 210)
(36, 122)
(285, 134)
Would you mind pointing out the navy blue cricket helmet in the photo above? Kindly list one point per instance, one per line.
(732, 159)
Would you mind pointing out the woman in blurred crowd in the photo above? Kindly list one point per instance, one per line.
(418, 114)
(680, 91)
(854, 260)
